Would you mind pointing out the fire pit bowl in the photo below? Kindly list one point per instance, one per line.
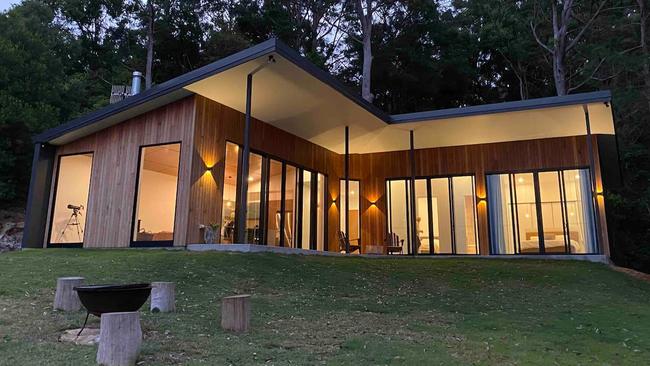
(99, 299)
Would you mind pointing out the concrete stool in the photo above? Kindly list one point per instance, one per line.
(66, 297)
(120, 338)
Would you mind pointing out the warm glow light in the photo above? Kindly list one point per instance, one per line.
(527, 216)
(520, 180)
(228, 203)
(577, 176)
(351, 192)
(250, 179)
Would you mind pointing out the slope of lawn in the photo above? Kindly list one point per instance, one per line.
(320, 310)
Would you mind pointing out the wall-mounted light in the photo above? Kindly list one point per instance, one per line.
(373, 204)
(480, 200)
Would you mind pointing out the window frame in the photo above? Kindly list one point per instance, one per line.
(264, 206)
(49, 243)
(428, 179)
(562, 187)
(156, 243)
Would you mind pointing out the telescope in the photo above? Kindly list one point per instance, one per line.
(76, 208)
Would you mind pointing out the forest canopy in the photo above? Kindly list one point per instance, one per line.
(59, 58)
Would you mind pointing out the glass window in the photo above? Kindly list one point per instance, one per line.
(552, 212)
(71, 199)
(563, 200)
(398, 209)
(422, 243)
(464, 199)
(354, 210)
(526, 213)
(290, 205)
(442, 233)
(156, 195)
(253, 199)
(305, 222)
(274, 203)
(581, 223)
(320, 213)
(503, 238)
(229, 194)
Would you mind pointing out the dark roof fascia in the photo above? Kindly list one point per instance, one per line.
(559, 101)
(167, 87)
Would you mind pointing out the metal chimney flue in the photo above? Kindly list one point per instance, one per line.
(136, 83)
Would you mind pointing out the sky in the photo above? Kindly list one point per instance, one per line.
(6, 4)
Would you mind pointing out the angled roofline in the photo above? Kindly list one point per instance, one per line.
(267, 47)
(604, 96)
(173, 90)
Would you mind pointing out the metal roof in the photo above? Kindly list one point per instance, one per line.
(172, 90)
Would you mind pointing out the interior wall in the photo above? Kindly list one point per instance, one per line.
(109, 214)
(157, 201)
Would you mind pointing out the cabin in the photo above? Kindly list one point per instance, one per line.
(264, 148)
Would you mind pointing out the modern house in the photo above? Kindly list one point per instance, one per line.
(278, 153)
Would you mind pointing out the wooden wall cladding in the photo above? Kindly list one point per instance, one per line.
(203, 126)
(374, 169)
(214, 125)
(115, 150)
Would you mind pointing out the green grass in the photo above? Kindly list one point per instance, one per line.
(320, 310)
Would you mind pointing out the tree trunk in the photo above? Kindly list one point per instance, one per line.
(236, 313)
(120, 338)
(559, 73)
(66, 297)
(643, 11)
(365, 18)
(149, 70)
(367, 65)
(163, 297)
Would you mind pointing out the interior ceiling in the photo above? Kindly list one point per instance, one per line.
(288, 97)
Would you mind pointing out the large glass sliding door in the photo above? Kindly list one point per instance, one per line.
(285, 204)
(445, 215)
(541, 212)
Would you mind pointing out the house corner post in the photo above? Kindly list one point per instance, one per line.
(39, 196)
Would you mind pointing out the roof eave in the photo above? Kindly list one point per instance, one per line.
(539, 103)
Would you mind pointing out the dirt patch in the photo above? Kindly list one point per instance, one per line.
(636, 274)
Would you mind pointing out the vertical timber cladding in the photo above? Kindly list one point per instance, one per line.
(114, 171)
(214, 125)
(551, 153)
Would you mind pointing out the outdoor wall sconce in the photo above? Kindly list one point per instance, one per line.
(480, 200)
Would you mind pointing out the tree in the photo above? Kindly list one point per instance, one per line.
(567, 30)
(365, 14)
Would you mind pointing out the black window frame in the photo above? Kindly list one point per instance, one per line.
(452, 218)
(154, 243)
(265, 215)
(49, 243)
(517, 237)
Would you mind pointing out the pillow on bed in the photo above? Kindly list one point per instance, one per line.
(548, 236)
(534, 238)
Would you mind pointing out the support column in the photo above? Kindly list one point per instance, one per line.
(592, 170)
(240, 219)
(347, 188)
(414, 229)
(39, 196)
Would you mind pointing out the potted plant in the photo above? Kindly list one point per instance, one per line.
(211, 233)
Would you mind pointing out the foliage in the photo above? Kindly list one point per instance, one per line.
(58, 59)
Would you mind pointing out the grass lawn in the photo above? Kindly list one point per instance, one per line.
(320, 310)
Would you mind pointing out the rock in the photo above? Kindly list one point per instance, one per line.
(89, 336)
